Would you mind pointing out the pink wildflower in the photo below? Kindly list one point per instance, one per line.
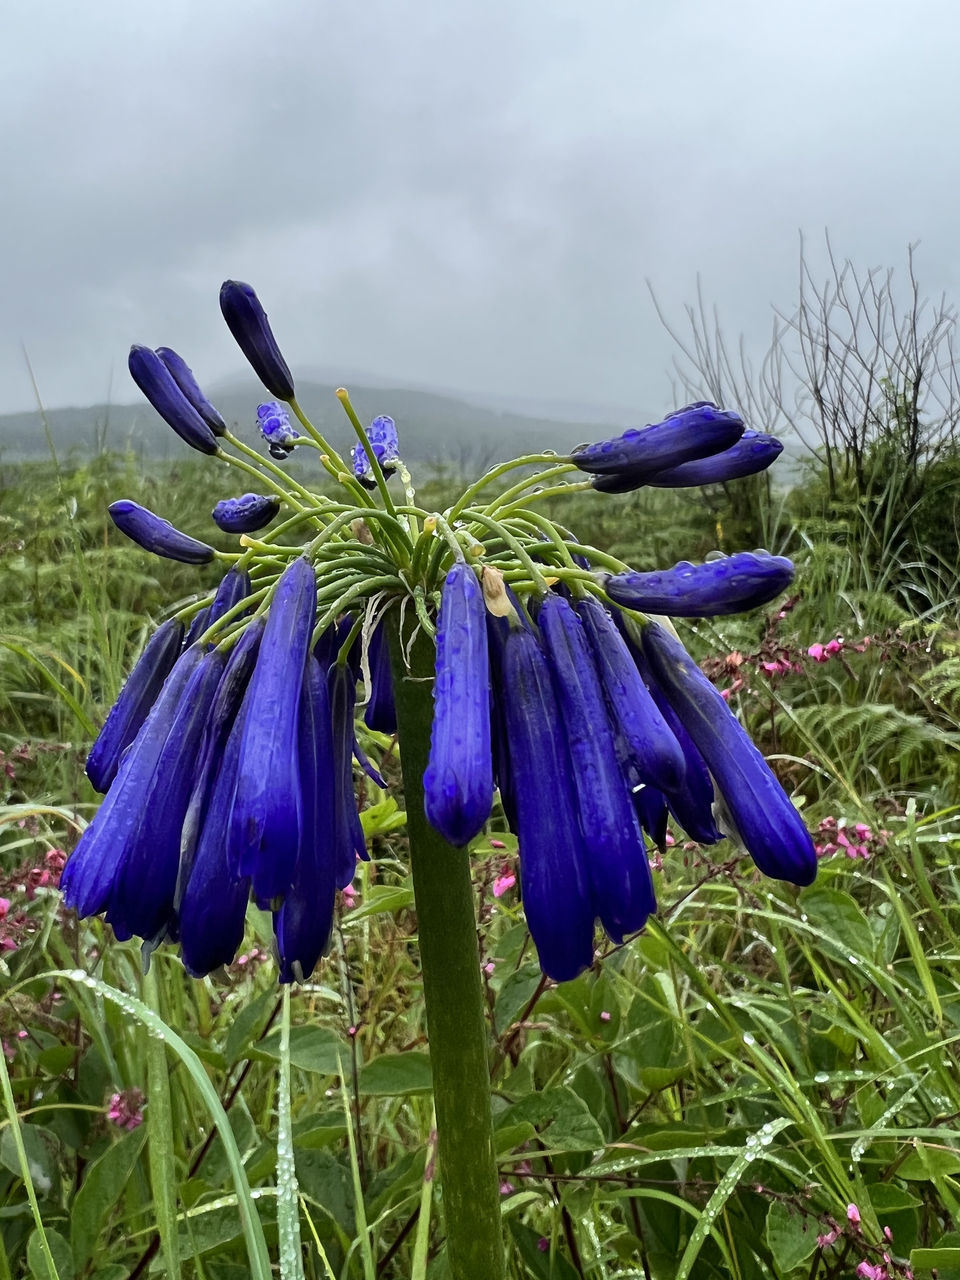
(853, 1214)
(4, 907)
(502, 884)
(816, 652)
(126, 1109)
(605, 1015)
(507, 1188)
(828, 1238)
(869, 1271)
(489, 968)
(833, 646)
(497, 844)
(543, 1244)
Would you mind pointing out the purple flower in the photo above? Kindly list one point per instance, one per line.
(246, 514)
(381, 710)
(275, 426)
(248, 323)
(458, 781)
(752, 453)
(183, 376)
(155, 534)
(693, 432)
(728, 584)
(382, 434)
(159, 386)
(770, 828)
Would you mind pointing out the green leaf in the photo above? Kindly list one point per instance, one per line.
(381, 899)
(792, 1236)
(103, 1184)
(382, 818)
(945, 1260)
(246, 1027)
(393, 1074)
(515, 994)
(311, 1049)
(837, 914)
(926, 1163)
(887, 1198)
(563, 1119)
(62, 1257)
(41, 1147)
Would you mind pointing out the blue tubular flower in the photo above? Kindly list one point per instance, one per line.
(694, 432)
(349, 840)
(276, 428)
(133, 705)
(651, 748)
(771, 829)
(198, 625)
(247, 321)
(304, 921)
(234, 587)
(89, 874)
(458, 781)
(752, 453)
(246, 514)
(182, 375)
(553, 876)
(223, 717)
(155, 534)
(213, 905)
(728, 584)
(141, 897)
(265, 824)
(157, 383)
(381, 712)
(617, 867)
(382, 434)
(651, 809)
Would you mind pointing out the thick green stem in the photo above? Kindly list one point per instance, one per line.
(452, 988)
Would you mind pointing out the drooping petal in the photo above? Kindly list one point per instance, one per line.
(728, 584)
(157, 383)
(458, 780)
(350, 843)
(554, 880)
(234, 587)
(616, 856)
(247, 321)
(183, 376)
(155, 534)
(381, 711)
(131, 708)
(265, 825)
(772, 830)
(245, 514)
(694, 432)
(304, 921)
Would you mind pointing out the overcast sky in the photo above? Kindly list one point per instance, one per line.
(459, 193)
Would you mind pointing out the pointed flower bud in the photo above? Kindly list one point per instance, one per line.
(385, 442)
(553, 875)
(265, 823)
(133, 705)
(276, 428)
(246, 514)
(694, 432)
(159, 386)
(617, 867)
(771, 829)
(349, 840)
(458, 781)
(155, 534)
(183, 376)
(752, 453)
(248, 323)
(234, 587)
(728, 584)
(381, 710)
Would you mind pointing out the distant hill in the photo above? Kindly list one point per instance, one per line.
(437, 428)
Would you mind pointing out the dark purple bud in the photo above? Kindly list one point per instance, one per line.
(458, 781)
(619, 874)
(651, 810)
(752, 453)
(141, 898)
(554, 879)
(651, 748)
(382, 434)
(694, 432)
(771, 829)
(304, 921)
(276, 428)
(265, 825)
(246, 514)
(182, 375)
(155, 534)
(198, 625)
(349, 840)
(247, 321)
(381, 711)
(234, 587)
(90, 871)
(132, 707)
(728, 584)
(157, 383)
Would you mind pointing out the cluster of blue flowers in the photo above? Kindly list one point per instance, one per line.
(227, 760)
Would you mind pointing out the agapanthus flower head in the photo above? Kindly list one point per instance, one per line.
(724, 585)
(160, 387)
(276, 428)
(246, 514)
(155, 534)
(183, 376)
(696, 431)
(247, 321)
(385, 442)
